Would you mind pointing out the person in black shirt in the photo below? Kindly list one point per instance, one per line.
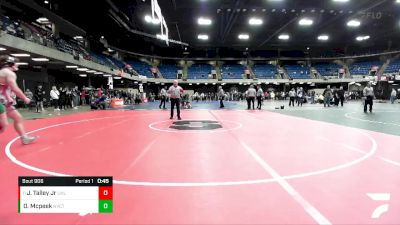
(63, 98)
(38, 97)
(340, 95)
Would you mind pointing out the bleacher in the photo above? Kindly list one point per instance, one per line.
(265, 71)
(101, 59)
(116, 62)
(393, 67)
(298, 71)
(327, 69)
(199, 71)
(168, 71)
(363, 68)
(141, 68)
(232, 71)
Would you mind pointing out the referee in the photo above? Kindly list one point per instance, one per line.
(251, 95)
(175, 92)
(369, 95)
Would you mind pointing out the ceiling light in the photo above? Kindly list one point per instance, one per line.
(40, 59)
(255, 21)
(82, 69)
(46, 2)
(204, 21)
(340, 0)
(354, 23)
(83, 75)
(78, 37)
(284, 37)
(323, 37)
(306, 22)
(21, 63)
(202, 36)
(150, 19)
(20, 55)
(42, 20)
(71, 66)
(117, 78)
(362, 38)
(397, 1)
(243, 36)
(2, 49)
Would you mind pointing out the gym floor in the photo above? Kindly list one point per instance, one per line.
(299, 165)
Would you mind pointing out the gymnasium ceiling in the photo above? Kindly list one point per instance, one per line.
(119, 21)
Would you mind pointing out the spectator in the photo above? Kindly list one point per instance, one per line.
(393, 95)
(327, 96)
(84, 97)
(38, 97)
(340, 95)
(55, 97)
(292, 96)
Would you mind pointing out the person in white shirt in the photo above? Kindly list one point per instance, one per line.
(221, 96)
(175, 93)
(393, 95)
(55, 96)
(163, 96)
(300, 96)
(260, 95)
(369, 95)
(251, 95)
(292, 96)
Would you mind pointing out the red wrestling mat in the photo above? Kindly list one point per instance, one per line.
(220, 167)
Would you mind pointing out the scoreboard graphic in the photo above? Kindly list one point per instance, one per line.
(65, 195)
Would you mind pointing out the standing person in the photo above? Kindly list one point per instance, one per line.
(260, 95)
(76, 97)
(369, 95)
(175, 92)
(393, 95)
(163, 96)
(327, 96)
(68, 100)
(29, 94)
(38, 96)
(63, 98)
(251, 95)
(8, 84)
(312, 97)
(54, 97)
(292, 96)
(221, 96)
(335, 96)
(99, 93)
(83, 96)
(300, 96)
(340, 95)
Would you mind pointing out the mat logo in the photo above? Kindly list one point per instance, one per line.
(384, 197)
(196, 125)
